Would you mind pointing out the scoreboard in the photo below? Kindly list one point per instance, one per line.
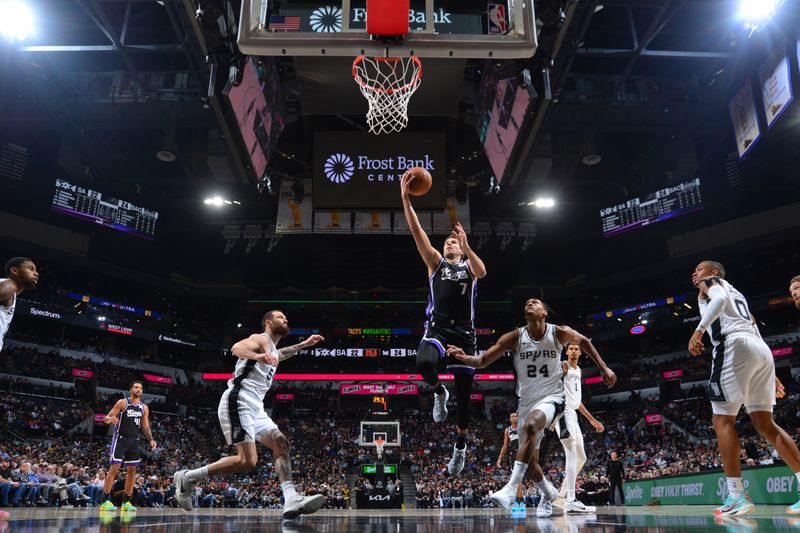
(654, 207)
(81, 202)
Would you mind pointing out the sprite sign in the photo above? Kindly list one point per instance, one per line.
(387, 469)
(770, 485)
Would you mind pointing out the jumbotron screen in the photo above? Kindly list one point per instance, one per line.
(661, 205)
(80, 202)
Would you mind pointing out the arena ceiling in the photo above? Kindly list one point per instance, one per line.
(105, 84)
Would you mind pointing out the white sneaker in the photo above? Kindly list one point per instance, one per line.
(577, 506)
(302, 505)
(440, 405)
(183, 490)
(456, 464)
(544, 509)
(504, 497)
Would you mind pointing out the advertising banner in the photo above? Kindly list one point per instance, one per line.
(778, 352)
(284, 397)
(158, 379)
(673, 374)
(378, 388)
(771, 485)
(360, 171)
(83, 374)
(654, 419)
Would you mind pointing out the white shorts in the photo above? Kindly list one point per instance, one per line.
(242, 416)
(742, 373)
(568, 428)
(552, 406)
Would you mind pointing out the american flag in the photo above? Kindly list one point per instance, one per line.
(281, 23)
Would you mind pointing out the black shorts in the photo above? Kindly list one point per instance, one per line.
(125, 450)
(461, 336)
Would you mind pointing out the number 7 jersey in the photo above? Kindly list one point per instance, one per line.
(538, 364)
(735, 318)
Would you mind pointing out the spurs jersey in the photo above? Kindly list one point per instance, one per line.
(572, 387)
(130, 419)
(735, 318)
(451, 300)
(253, 376)
(538, 364)
(6, 314)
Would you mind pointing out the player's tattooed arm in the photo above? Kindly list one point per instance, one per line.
(6, 292)
(146, 428)
(505, 343)
(290, 351)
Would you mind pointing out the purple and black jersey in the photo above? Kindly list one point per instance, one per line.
(451, 301)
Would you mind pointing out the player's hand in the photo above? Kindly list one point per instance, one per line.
(471, 360)
(696, 346)
(112, 420)
(598, 426)
(268, 358)
(498, 463)
(313, 339)
(780, 391)
(460, 235)
(152, 445)
(609, 377)
(405, 182)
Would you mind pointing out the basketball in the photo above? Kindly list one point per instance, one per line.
(421, 180)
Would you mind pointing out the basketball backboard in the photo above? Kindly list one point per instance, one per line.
(501, 29)
(387, 431)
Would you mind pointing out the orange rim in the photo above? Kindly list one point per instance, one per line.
(404, 88)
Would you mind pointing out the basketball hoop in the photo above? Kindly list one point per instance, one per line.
(379, 443)
(388, 84)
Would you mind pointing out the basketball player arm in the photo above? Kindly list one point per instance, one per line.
(247, 349)
(713, 309)
(504, 449)
(504, 343)
(146, 428)
(290, 351)
(596, 424)
(475, 264)
(111, 417)
(429, 254)
(7, 291)
(566, 334)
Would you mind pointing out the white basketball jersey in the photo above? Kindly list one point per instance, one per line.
(538, 364)
(6, 314)
(572, 387)
(735, 317)
(254, 376)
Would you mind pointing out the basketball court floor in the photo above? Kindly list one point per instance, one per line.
(673, 518)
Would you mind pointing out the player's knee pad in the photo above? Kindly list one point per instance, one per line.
(427, 362)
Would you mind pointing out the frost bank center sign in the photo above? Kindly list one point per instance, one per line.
(359, 170)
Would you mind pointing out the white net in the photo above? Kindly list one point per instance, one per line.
(388, 84)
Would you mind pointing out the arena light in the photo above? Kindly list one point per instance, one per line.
(219, 201)
(540, 203)
(16, 20)
(757, 12)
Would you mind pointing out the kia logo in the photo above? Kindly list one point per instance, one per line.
(379, 498)
(339, 168)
